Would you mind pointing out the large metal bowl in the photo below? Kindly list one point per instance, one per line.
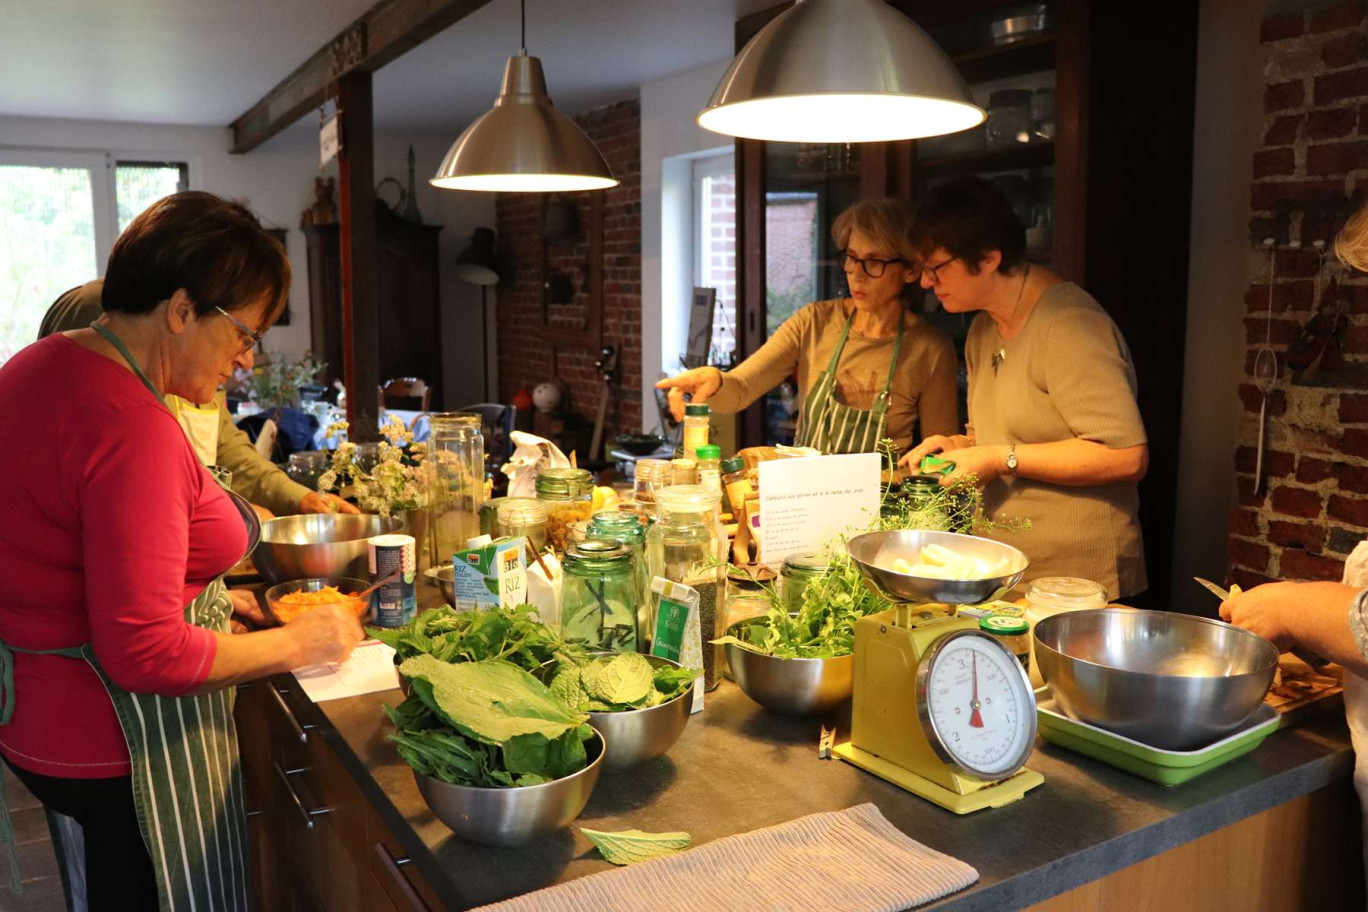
(791, 687)
(513, 816)
(445, 577)
(637, 735)
(874, 553)
(318, 545)
(1172, 681)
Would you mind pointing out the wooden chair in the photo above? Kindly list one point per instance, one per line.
(405, 388)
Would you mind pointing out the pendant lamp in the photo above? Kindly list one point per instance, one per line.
(523, 144)
(840, 71)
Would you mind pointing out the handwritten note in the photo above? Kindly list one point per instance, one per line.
(368, 669)
(805, 503)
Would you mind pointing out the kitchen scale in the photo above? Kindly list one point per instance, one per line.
(940, 708)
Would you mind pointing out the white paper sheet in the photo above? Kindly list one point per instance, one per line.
(368, 669)
(805, 503)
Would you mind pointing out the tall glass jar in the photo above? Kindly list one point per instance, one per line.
(599, 596)
(627, 529)
(523, 517)
(456, 462)
(569, 496)
(685, 546)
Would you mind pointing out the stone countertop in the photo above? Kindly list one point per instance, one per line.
(737, 768)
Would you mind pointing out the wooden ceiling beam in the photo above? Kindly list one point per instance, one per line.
(382, 33)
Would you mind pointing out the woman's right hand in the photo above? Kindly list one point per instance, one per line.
(701, 383)
(328, 633)
(936, 443)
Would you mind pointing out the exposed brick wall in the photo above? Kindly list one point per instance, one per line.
(525, 357)
(1313, 507)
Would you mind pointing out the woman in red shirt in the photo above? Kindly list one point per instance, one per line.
(113, 541)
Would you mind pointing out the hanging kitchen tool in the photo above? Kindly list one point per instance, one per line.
(940, 708)
(1265, 367)
(1317, 347)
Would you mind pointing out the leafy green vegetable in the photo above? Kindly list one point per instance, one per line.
(619, 683)
(625, 679)
(515, 635)
(490, 701)
(626, 847)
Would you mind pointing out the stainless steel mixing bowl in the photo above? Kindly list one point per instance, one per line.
(318, 545)
(791, 687)
(637, 735)
(1172, 681)
(513, 816)
(445, 577)
(874, 553)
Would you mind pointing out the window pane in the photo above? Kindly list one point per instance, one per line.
(47, 245)
(139, 185)
(715, 247)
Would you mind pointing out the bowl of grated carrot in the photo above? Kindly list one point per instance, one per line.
(287, 601)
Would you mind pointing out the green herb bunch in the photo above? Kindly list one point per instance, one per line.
(619, 683)
(512, 634)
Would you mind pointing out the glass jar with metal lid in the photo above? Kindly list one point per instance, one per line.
(569, 495)
(522, 517)
(685, 545)
(924, 501)
(799, 570)
(627, 529)
(598, 596)
(1053, 595)
(1012, 632)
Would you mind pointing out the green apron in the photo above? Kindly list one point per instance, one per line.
(187, 781)
(830, 427)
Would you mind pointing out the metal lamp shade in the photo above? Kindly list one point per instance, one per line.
(523, 144)
(840, 71)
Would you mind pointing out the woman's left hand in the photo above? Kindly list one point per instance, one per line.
(985, 463)
(246, 607)
(314, 502)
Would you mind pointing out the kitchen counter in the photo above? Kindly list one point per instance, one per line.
(738, 768)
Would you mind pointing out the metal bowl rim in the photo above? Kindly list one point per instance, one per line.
(620, 713)
(393, 523)
(523, 789)
(760, 655)
(999, 582)
(1260, 670)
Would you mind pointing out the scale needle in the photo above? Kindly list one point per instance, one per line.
(975, 720)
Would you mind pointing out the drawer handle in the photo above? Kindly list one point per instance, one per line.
(300, 730)
(394, 868)
(305, 814)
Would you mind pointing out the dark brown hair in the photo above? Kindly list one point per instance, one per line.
(213, 248)
(970, 218)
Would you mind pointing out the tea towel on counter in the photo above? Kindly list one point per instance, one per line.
(841, 861)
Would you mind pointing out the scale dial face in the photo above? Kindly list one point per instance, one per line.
(976, 705)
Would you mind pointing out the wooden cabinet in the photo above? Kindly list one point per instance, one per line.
(407, 267)
(316, 845)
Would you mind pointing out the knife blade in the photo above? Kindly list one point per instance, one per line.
(1310, 658)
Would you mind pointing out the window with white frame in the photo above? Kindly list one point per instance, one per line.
(59, 215)
(714, 247)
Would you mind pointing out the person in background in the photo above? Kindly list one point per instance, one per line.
(1054, 434)
(216, 439)
(867, 367)
(113, 541)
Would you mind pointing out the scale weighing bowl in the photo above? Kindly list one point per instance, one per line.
(874, 552)
(1168, 680)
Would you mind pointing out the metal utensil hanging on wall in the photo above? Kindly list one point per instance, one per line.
(1265, 367)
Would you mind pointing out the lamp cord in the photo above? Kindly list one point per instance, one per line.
(522, 12)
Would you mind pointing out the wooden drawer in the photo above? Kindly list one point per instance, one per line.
(395, 884)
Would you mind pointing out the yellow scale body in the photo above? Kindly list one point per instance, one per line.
(886, 735)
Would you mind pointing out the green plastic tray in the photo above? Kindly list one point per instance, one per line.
(1165, 767)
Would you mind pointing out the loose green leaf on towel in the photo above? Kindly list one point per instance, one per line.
(625, 847)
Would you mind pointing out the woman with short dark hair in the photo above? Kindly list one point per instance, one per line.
(1054, 433)
(116, 664)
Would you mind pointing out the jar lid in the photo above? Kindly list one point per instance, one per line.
(597, 549)
(735, 464)
(808, 561)
(1066, 591)
(688, 498)
(699, 409)
(614, 521)
(708, 451)
(919, 482)
(1006, 626)
(522, 511)
(568, 482)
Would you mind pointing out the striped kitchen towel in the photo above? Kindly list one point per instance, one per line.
(841, 861)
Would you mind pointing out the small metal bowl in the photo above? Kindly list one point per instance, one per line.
(873, 552)
(318, 545)
(790, 687)
(513, 816)
(359, 607)
(637, 735)
(445, 577)
(1172, 681)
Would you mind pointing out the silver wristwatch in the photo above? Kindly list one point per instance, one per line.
(1011, 460)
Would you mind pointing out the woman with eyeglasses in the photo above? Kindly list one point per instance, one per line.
(1054, 433)
(116, 664)
(867, 368)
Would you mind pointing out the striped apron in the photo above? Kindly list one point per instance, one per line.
(187, 780)
(830, 427)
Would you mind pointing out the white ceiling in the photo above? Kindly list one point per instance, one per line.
(205, 62)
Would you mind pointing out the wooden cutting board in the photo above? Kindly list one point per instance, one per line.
(1300, 693)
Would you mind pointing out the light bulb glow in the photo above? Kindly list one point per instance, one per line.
(841, 117)
(524, 183)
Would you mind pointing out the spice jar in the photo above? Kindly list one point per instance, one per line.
(1053, 595)
(736, 483)
(685, 546)
(521, 517)
(651, 475)
(1014, 633)
(569, 495)
(797, 572)
(684, 471)
(599, 596)
(696, 421)
(710, 467)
